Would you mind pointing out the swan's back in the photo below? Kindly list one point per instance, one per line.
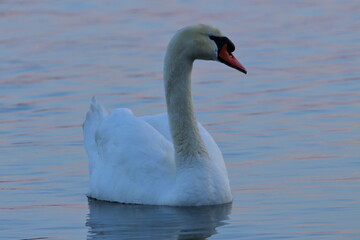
(131, 159)
(128, 159)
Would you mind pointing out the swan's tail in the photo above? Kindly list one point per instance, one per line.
(94, 117)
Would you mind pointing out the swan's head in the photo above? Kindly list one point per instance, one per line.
(207, 43)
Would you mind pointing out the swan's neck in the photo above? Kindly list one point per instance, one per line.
(188, 144)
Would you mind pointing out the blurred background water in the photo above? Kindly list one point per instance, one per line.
(289, 130)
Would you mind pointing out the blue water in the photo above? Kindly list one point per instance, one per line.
(289, 130)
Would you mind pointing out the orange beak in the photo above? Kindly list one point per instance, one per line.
(230, 60)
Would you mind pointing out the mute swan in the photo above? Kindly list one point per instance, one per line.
(167, 159)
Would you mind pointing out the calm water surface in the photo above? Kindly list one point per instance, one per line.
(289, 130)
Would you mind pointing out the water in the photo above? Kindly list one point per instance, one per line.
(289, 130)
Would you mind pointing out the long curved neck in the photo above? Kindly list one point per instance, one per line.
(183, 125)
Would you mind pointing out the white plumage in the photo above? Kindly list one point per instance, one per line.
(159, 160)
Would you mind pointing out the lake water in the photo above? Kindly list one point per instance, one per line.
(289, 130)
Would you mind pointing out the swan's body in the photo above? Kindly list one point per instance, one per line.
(166, 159)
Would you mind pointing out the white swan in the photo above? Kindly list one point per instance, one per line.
(163, 159)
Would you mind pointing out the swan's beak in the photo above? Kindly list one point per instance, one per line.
(230, 60)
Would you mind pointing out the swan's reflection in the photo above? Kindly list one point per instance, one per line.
(119, 221)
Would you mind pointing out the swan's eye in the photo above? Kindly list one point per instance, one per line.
(212, 37)
(221, 41)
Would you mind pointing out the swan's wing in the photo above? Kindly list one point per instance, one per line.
(94, 117)
(134, 162)
(160, 123)
(210, 144)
